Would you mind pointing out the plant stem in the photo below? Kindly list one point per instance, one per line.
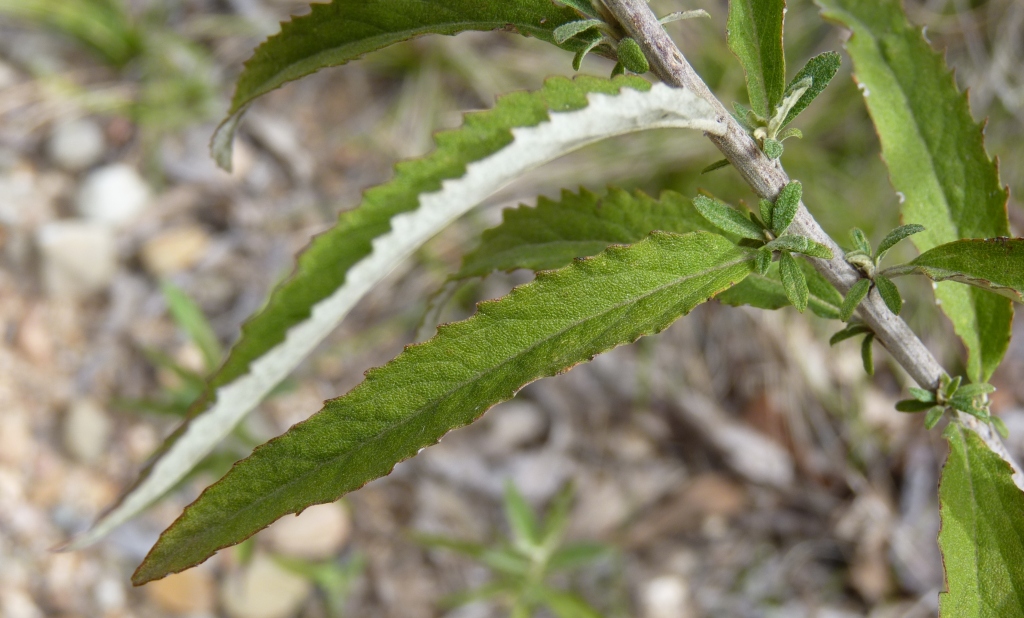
(767, 178)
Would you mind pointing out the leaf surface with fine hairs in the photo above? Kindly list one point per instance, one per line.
(982, 535)
(553, 233)
(995, 264)
(936, 158)
(563, 318)
(755, 37)
(523, 131)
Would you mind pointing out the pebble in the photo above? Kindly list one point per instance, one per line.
(175, 250)
(87, 430)
(76, 145)
(79, 258)
(263, 590)
(15, 437)
(666, 596)
(188, 592)
(114, 195)
(318, 532)
(18, 604)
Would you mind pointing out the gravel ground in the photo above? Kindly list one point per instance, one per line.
(737, 465)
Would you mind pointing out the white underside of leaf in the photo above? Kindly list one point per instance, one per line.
(605, 116)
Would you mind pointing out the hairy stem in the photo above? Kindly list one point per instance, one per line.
(767, 178)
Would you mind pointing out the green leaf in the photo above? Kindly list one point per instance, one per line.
(578, 225)
(800, 244)
(766, 208)
(994, 264)
(572, 557)
(763, 261)
(565, 32)
(867, 354)
(727, 218)
(583, 6)
(521, 519)
(913, 405)
(860, 241)
(853, 298)
(772, 148)
(936, 159)
(849, 332)
(933, 417)
(632, 57)
(921, 394)
(393, 221)
(890, 294)
(975, 390)
(982, 534)
(336, 33)
(566, 605)
(896, 236)
(793, 281)
(767, 292)
(190, 318)
(591, 39)
(562, 318)
(821, 69)
(755, 36)
(786, 205)
(717, 165)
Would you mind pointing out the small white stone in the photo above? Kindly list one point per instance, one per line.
(76, 145)
(263, 590)
(666, 596)
(318, 532)
(87, 430)
(110, 595)
(79, 258)
(175, 250)
(114, 195)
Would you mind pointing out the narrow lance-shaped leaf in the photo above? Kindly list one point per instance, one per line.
(767, 292)
(343, 30)
(755, 36)
(727, 218)
(553, 233)
(396, 218)
(793, 281)
(982, 534)
(995, 264)
(936, 159)
(890, 294)
(563, 318)
(853, 298)
(821, 69)
(785, 207)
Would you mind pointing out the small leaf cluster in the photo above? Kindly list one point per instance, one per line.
(768, 233)
(970, 398)
(523, 564)
(599, 27)
(770, 129)
(867, 262)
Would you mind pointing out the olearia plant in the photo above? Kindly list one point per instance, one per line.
(523, 565)
(631, 264)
